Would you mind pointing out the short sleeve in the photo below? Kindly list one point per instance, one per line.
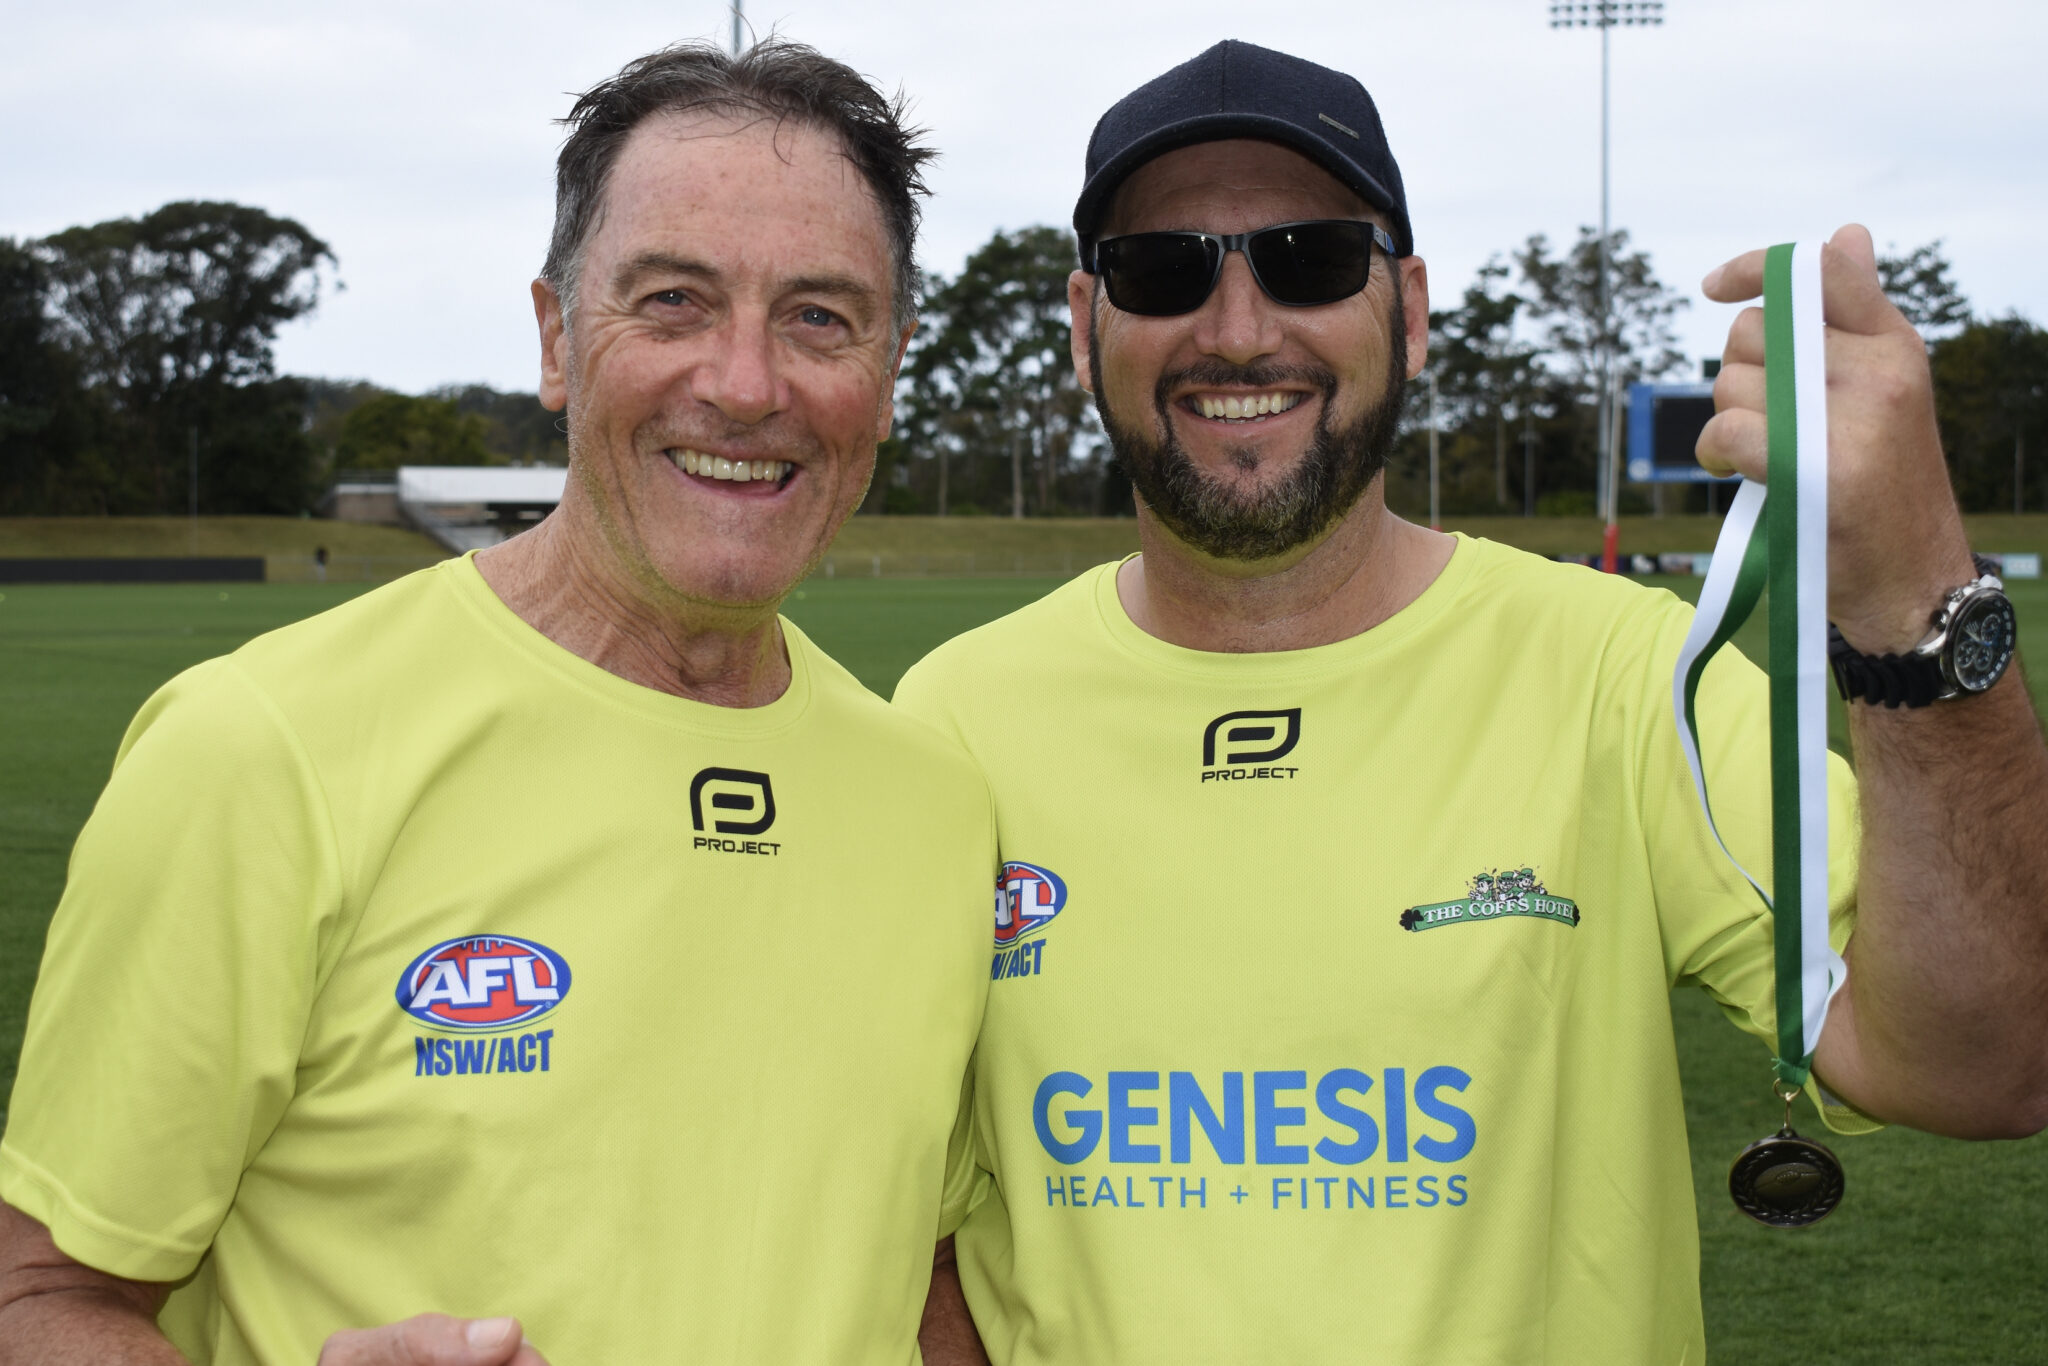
(203, 897)
(1717, 930)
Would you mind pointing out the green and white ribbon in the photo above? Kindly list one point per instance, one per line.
(1791, 558)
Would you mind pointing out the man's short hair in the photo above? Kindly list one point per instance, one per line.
(775, 79)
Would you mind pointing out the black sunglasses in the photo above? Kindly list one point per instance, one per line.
(1161, 274)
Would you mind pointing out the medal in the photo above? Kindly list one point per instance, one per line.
(1786, 1181)
(1778, 539)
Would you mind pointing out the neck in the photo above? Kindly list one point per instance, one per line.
(563, 579)
(1364, 570)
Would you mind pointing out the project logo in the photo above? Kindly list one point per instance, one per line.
(483, 982)
(1249, 742)
(737, 790)
(1027, 898)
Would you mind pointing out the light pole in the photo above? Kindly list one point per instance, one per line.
(739, 15)
(1605, 15)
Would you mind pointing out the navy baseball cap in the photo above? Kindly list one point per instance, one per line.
(1237, 90)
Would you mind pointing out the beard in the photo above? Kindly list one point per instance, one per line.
(1211, 516)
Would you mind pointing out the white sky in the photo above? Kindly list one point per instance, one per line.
(416, 137)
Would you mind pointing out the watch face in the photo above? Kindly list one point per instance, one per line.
(1982, 641)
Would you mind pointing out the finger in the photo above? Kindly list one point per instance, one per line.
(1852, 296)
(1733, 281)
(1733, 442)
(528, 1355)
(1745, 339)
(427, 1340)
(1739, 386)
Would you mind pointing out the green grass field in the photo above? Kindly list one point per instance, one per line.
(1936, 1257)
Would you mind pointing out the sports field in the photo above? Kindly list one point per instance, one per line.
(1936, 1257)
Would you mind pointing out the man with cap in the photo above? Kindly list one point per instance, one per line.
(1245, 1090)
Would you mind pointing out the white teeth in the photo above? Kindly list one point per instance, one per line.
(733, 471)
(1237, 408)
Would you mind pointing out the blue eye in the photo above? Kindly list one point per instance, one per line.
(815, 316)
(673, 298)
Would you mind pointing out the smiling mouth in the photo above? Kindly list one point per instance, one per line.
(1243, 407)
(730, 471)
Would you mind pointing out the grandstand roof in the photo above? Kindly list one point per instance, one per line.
(480, 484)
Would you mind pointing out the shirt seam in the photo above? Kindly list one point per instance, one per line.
(1332, 658)
(15, 1163)
(726, 725)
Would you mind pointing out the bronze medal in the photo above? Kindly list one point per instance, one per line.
(1786, 1181)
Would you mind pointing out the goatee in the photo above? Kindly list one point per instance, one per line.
(1218, 520)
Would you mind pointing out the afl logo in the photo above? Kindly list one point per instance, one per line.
(484, 982)
(1027, 898)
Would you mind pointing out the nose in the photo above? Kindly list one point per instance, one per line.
(741, 377)
(1238, 323)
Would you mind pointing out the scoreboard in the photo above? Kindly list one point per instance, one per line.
(1664, 422)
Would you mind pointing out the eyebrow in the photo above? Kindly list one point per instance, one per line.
(648, 263)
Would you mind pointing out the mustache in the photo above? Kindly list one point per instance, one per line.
(1212, 373)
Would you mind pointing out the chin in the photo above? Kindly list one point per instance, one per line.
(736, 581)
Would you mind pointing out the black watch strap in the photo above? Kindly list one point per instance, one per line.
(1908, 680)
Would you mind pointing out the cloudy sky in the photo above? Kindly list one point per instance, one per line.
(416, 137)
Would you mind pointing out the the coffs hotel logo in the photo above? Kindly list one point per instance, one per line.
(1027, 899)
(741, 803)
(475, 991)
(1247, 745)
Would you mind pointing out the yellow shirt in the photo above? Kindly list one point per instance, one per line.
(411, 963)
(1329, 1015)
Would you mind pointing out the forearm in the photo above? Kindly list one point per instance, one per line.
(81, 1327)
(947, 1336)
(1948, 984)
(56, 1312)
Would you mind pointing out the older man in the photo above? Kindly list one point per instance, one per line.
(1239, 1096)
(557, 933)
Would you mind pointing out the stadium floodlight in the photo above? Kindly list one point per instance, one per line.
(1607, 15)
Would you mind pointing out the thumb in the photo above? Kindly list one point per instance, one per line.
(426, 1340)
(1852, 297)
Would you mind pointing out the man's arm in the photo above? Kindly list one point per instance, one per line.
(1944, 1022)
(947, 1336)
(56, 1311)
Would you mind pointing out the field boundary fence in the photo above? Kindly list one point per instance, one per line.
(345, 568)
(978, 564)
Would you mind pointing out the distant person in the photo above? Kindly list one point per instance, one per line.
(554, 935)
(320, 564)
(1239, 1096)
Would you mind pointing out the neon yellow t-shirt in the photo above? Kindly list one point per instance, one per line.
(410, 962)
(1330, 1014)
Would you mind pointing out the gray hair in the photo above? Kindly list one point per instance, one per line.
(776, 79)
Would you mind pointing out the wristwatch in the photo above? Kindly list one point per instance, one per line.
(1969, 647)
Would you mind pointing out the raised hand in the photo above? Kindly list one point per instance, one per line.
(1895, 539)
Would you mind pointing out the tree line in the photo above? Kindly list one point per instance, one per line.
(137, 376)
(136, 365)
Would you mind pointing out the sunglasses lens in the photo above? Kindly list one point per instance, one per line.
(1157, 273)
(1312, 263)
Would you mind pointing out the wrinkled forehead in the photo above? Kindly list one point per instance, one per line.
(1229, 186)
